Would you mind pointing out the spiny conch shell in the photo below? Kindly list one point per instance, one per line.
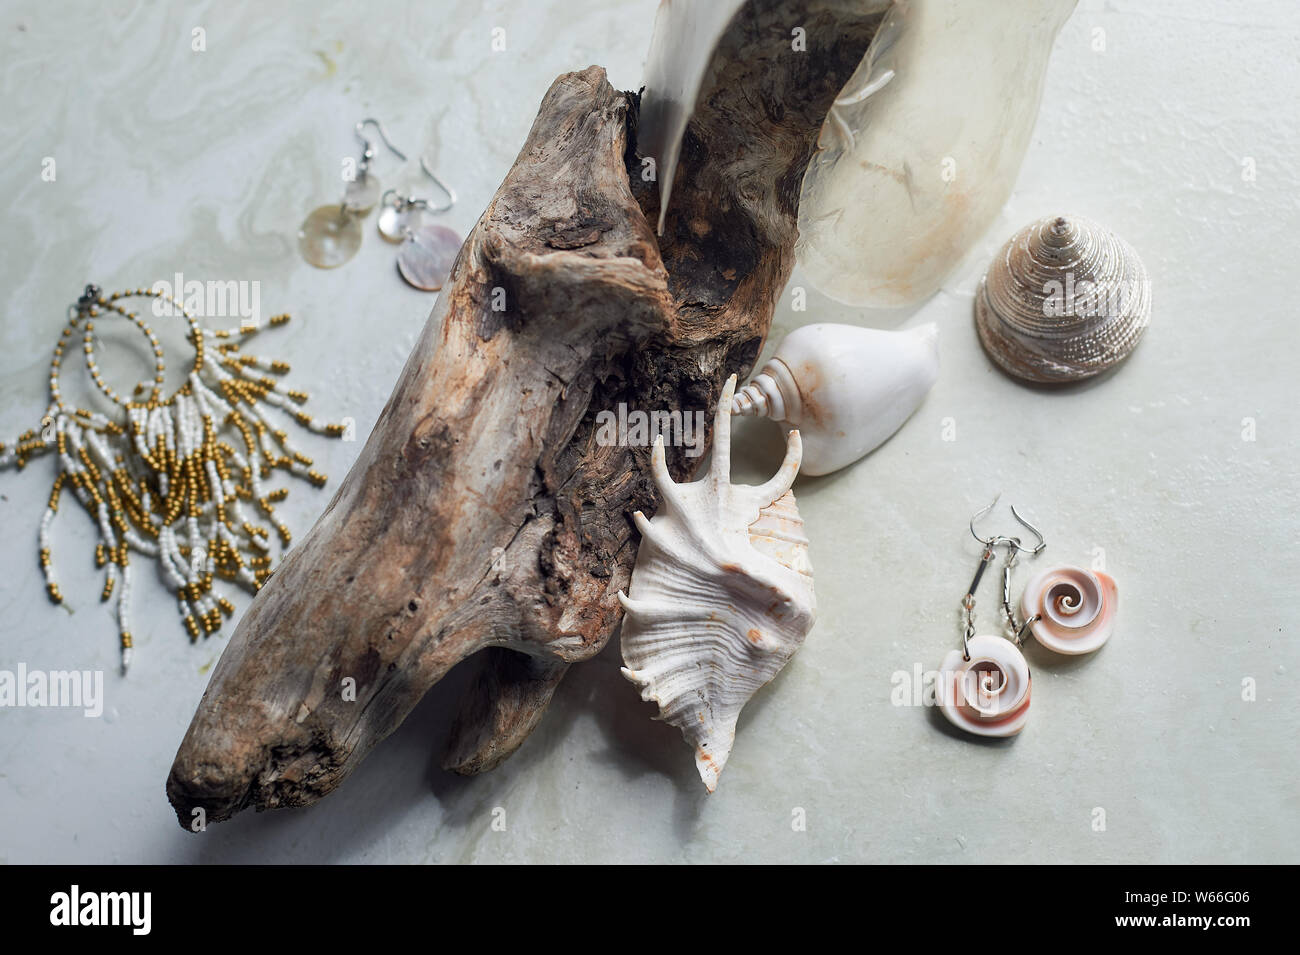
(846, 389)
(1076, 608)
(721, 595)
(923, 145)
(987, 695)
(1064, 299)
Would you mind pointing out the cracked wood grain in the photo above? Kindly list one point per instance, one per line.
(482, 514)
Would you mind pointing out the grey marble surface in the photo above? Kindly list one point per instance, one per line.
(171, 159)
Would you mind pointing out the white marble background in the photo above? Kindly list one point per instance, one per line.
(169, 159)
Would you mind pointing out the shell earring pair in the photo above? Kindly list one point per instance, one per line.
(331, 234)
(984, 688)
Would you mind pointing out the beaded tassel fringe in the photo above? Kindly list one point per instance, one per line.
(178, 479)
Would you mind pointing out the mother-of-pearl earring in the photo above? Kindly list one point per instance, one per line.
(331, 234)
(427, 252)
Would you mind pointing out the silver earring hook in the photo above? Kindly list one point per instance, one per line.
(1014, 547)
(1042, 544)
(368, 146)
(400, 202)
(450, 192)
(1013, 542)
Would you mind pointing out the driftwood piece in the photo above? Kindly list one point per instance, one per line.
(482, 513)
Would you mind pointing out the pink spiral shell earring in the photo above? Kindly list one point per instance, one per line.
(1070, 610)
(984, 688)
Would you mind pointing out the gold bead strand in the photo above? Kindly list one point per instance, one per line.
(43, 540)
(159, 477)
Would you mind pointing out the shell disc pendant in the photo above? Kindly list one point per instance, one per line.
(400, 216)
(361, 194)
(427, 255)
(330, 236)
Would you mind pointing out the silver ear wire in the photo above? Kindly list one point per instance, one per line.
(980, 513)
(1014, 547)
(1008, 541)
(1042, 544)
(402, 203)
(450, 192)
(991, 541)
(368, 147)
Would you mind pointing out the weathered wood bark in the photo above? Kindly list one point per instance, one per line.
(482, 512)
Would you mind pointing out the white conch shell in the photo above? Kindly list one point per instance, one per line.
(1076, 608)
(845, 388)
(987, 695)
(721, 595)
(923, 146)
(1064, 299)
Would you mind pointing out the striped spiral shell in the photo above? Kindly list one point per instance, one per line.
(988, 693)
(1072, 610)
(1064, 299)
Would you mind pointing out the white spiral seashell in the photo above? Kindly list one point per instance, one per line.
(721, 595)
(1076, 608)
(1064, 299)
(987, 695)
(846, 389)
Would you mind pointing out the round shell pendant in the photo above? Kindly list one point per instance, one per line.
(361, 194)
(329, 236)
(987, 695)
(1075, 609)
(1064, 299)
(396, 221)
(427, 255)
